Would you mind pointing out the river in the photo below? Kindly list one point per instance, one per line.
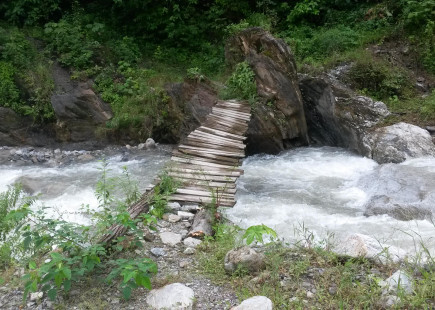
(328, 191)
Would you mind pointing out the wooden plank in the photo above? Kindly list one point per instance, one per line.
(210, 146)
(208, 135)
(221, 159)
(232, 114)
(201, 177)
(234, 125)
(211, 123)
(212, 152)
(204, 163)
(225, 161)
(229, 114)
(210, 140)
(203, 200)
(221, 133)
(220, 190)
(207, 172)
(242, 109)
(203, 193)
(230, 120)
(194, 139)
(201, 166)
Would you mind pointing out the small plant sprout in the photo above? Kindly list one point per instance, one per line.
(256, 232)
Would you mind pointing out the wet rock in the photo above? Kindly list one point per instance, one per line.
(359, 245)
(170, 238)
(255, 303)
(398, 281)
(150, 144)
(401, 141)
(191, 242)
(174, 296)
(336, 116)
(278, 121)
(141, 146)
(244, 257)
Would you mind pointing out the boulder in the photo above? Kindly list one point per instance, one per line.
(244, 257)
(79, 111)
(255, 303)
(401, 141)
(150, 144)
(359, 245)
(175, 296)
(170, 238)
(336, 116)
(278, 120)
(398, 281)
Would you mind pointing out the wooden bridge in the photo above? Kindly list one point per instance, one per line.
(206, 164)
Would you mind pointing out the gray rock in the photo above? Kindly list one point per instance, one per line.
(158, 252)
(244, 257)
(36, 296)
(255, 303)
(175, 206)
(401, 141)
(190, 208)
(398, 281)
(189, 251)
(359, 245)
(278, 121)
(186, 215)
(174, 296)
(150, 144)
(141, 146)
(170, 238)
(172, 218)
(390, 301)
(191, 242)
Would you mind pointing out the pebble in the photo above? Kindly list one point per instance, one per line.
(184, 264)
(310, 295)
(189, 251)
(170, 238)
(191, 242)
(158, 252)
(172, 218)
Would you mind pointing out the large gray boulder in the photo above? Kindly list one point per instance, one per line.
(336, 116)
(401, 141)
(174, 296)
(278, 120)
(245, 258)
(79, 111)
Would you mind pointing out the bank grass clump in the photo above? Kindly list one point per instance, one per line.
(241, 84)
(308, 274)
(57, 255)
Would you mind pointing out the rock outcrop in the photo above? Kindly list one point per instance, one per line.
(278, 120)
(401, 141)
(79, 111)
(336, 116)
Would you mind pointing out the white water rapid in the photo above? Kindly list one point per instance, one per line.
(327, 190)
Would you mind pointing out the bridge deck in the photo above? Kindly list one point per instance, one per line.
(207, 163)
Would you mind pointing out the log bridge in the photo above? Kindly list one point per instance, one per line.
(206, 165)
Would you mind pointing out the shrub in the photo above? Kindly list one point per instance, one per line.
(241, 84)
(9, 93)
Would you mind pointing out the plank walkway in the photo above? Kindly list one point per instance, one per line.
(206, 164)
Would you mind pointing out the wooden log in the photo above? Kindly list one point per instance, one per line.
(202, 224)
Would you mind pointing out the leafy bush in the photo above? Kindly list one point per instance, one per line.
(9, 93)
(256, 232)
(241, 84)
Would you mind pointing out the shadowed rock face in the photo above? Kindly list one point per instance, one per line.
(79, 111)
(278, 121)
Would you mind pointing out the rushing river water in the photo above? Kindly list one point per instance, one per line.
(326, 190)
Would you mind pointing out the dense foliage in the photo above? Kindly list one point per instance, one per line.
(131, 48)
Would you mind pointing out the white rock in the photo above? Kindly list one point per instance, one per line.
(189, 251)
(255, 303)
(128, 146)
(191, 242)
(399, 279)
(186, 215)
(175, 206)
(36, 296)
(359, 245)
(173, 218)
(174, 296)
(170, 238)
(141, 146)
(150, 143)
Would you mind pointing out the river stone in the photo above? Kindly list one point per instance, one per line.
(359, 245)
(244, 257)
(170, 238)
(150, 144)
(255, 303)
(401, 141)
(173, 218)
(174, 206)
(174, 296)
(398, 281)
(186, 215)
(158, 252)
(191, 242)
(278, 121)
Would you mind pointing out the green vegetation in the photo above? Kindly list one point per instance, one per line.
(336, 282)
(58, 254)
(132, 48)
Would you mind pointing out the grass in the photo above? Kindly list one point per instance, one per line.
(335, 282)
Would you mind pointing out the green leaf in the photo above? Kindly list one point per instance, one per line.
(67, 272)
(32, 265)
(126, 292)
(52, 294)
(67, 285)
(26, 242)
